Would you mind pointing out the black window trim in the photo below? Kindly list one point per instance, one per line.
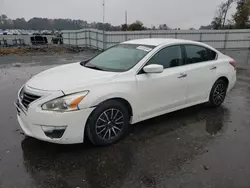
(185, 53)
(140, 71)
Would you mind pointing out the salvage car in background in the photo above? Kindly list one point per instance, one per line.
(58, 39)
(128, 83)
(38, 39)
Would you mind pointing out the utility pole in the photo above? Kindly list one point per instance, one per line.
(126, 20)
(103, 23)
(103, 11)
(126, 17)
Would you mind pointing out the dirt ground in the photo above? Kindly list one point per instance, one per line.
(198, 147)
(50, 49)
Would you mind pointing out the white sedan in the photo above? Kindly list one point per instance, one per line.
(128, 83)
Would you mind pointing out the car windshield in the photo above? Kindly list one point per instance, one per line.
(119, 58)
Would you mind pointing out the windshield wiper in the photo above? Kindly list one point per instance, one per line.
(83, 63)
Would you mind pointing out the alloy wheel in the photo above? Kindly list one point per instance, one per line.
(219, 94)
(109, 124)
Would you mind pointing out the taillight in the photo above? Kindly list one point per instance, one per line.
(233, 63)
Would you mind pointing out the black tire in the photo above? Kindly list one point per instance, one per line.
(218, 93)
(104, 120)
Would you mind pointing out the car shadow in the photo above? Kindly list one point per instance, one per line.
(184, 133)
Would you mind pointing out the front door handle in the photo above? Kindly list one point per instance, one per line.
(213, 68)
(182, 75)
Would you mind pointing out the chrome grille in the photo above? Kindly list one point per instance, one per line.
(27, 98)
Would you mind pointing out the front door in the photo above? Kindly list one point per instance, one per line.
(160, 92)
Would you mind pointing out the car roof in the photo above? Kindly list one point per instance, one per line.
(158, 41)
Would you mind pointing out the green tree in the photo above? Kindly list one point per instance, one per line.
(241, 17)
(163, 27)
(124, 27)
(136, 26)
(52, 24)
(3, 17)
(216, 23)
(3, 21)
(206, 27)
(20, 23)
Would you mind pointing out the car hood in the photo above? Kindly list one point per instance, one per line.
(69, 77)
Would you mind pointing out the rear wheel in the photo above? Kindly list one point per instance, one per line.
(108, 123)
(218, 93)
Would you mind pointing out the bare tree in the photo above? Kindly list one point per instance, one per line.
(225, 7)
(221, 14)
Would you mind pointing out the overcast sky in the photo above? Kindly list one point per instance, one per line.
(175, 13)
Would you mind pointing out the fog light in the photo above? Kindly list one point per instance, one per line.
(54, 131)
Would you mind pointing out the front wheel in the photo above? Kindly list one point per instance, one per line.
(108, 123)
(218, 93)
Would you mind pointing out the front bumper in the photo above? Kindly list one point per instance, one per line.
(31, 122)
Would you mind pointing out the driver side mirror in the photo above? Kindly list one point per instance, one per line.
(153, 68)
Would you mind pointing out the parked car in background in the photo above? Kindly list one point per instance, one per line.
(46, 32)
(36, 34)
(128, 83)
(38, 40)
(58, 39)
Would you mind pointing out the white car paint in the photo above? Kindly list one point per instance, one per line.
(149, 95)
(153, 89)
(69, 77)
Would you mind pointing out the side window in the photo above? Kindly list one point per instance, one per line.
(168, 57)
(211, 55)
(196, 54)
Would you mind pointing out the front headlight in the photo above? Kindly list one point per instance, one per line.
(65, 103)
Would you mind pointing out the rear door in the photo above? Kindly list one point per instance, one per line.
(201, 72)
(160, 92)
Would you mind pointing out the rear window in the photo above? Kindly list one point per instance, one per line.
(196, 54)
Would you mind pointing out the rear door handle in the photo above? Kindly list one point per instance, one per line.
(213, 68)
(182, 75)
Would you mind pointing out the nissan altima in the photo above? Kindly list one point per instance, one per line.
(133, 81)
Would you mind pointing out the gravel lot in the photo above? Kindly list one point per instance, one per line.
(192, 148)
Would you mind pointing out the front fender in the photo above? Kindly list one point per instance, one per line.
(112, 96)
(117, 95)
